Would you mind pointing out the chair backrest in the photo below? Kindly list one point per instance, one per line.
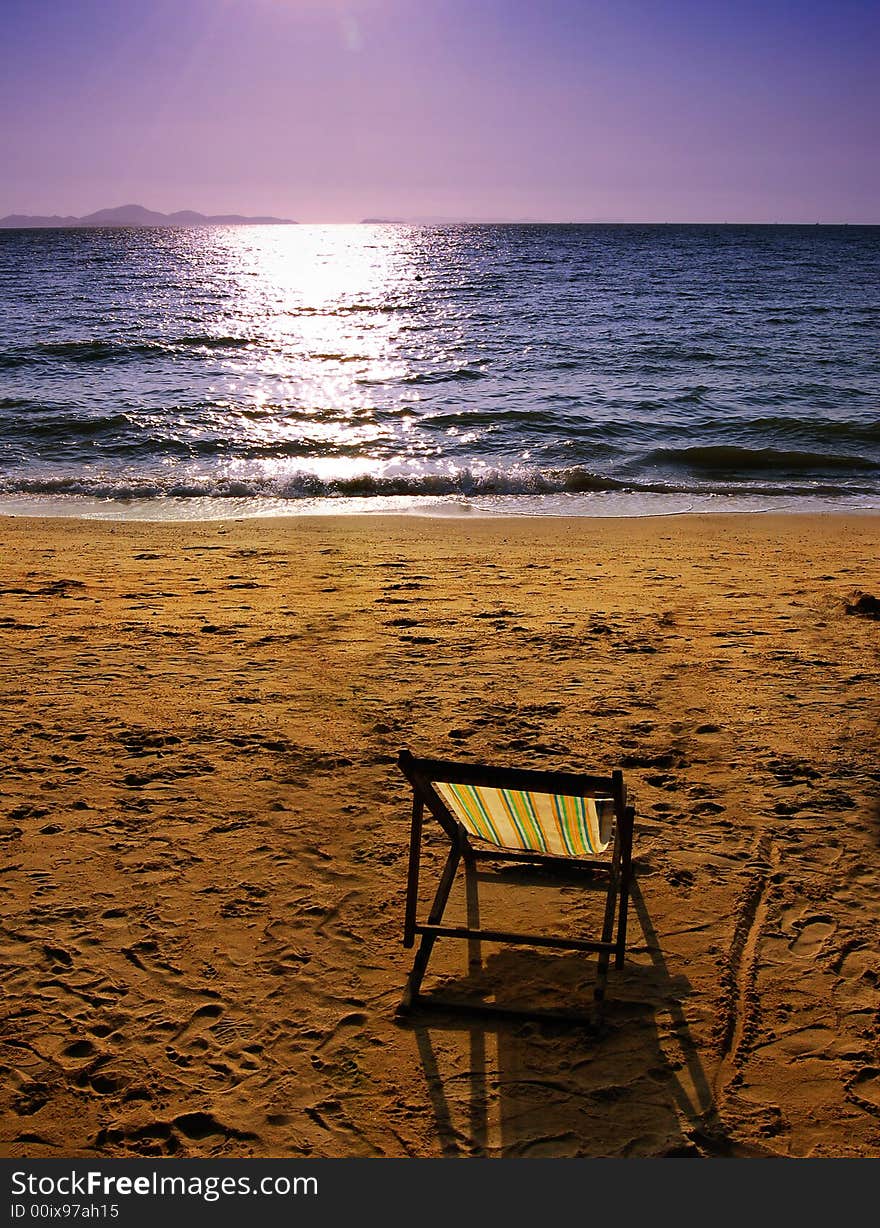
(554, 823)
(558, 814)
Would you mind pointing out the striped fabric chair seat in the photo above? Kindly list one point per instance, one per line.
(551, 823)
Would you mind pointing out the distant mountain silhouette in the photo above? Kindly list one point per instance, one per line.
(137, 215)
(22, 219)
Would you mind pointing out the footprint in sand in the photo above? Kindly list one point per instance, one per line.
(814, 932)
(232, 1031)
(79, 1050)
(864, 1088)
(199, 1021)
(801, 1042)
(158, 1137)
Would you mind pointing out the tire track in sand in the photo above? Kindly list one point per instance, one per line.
(739, 1003)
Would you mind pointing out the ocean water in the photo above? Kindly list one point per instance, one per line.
(583, 369)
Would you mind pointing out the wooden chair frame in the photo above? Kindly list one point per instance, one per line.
(618, 866)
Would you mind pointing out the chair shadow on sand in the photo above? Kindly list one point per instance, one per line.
(544, 1083)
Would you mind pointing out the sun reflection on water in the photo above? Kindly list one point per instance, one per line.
(325, 308)
(332, 354)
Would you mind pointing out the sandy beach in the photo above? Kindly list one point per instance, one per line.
(204, 833)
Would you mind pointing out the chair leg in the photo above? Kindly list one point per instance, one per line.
(621, 926)
(412, 878)
(426, 946)
(625, 878)
(472, 897)
(607, 932)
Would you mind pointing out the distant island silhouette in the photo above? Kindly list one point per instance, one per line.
(137, 215)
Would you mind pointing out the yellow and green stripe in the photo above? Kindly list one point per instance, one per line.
(560, 824)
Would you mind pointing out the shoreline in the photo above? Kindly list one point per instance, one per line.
(466, 516)
(203, 833)
(607, 505)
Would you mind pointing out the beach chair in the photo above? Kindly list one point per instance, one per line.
(518, 815)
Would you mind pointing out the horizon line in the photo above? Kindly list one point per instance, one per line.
(445, 221)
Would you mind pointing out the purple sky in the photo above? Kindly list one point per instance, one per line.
(333, 110)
